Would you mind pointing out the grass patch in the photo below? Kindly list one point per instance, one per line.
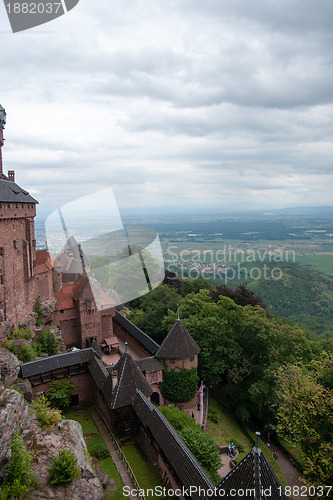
(92, 438)
(227, 429)
(145, 473)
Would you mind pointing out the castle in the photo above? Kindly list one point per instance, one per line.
(125, 392)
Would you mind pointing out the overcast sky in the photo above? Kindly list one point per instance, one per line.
(183, 103)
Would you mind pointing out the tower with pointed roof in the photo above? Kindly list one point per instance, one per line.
(179, 349)
(17, 248)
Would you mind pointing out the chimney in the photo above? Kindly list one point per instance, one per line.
(11, 175)
(114, 378)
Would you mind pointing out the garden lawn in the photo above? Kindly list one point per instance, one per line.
(144, 471)
(227, 429)
(93, 437)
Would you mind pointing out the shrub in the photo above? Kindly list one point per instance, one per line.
(18, 474)
(27, 353)
(179, 385)
(47, 342)
(63, 468)
(8, 345)
(60, 393)
(21, 333)
(46, 415)
(38, 308)
(99, 451)
(213, 415)
(203, 448)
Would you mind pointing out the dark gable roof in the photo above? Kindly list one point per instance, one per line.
(98, 372)
(149, 364)
(58, 361)
(252, 473)
(10, 192)
(130, 379)
(138, 335)
(185, 465)
(178, 344)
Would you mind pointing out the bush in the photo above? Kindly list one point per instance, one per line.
(59, 393)
(63, 468)
(179, 385)
(27, 353)
(18, 474)
(203, 448)
(47, 342)
(11, 347)
(21, 333)
(99, 451)
(213, 415)
(38, 308)
(46, 415)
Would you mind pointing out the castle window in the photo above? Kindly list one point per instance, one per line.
(172, 361)
(2, 251)
(62, 311)
(1, 279)
(16, 205)
(0, 205)
(8, 206)
(15, 244)
(192, 358)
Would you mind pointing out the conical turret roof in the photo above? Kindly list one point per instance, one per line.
(130, 379)
(178, 344)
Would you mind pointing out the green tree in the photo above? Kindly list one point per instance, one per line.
(63, 468)
(154, 306)
(59, 393)
(305, 416)
(47, 342)
(203, 448)
(27, 353)
(18, 474)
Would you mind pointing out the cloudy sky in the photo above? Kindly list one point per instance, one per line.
(191, 104)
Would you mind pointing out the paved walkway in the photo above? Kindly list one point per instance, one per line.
(100, 424)
(290, 473)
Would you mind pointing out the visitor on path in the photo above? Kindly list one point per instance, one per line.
(192, 414)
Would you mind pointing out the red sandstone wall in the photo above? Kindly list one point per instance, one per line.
(182, 363)
(45, 285)
(85, 387)
(18, 288)
(123, 335)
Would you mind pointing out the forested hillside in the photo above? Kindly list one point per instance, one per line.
(301, 295)
(268, 369)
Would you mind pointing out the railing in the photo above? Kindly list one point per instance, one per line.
(120, 453)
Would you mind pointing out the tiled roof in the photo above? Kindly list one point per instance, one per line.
(12, 193)
(149, 364)
(130, 379)
(43, 261)
(184, 464)
(64, 296)
(178, 344)
(54, 362)
(252, 473)
(98, 372)
(149, 344)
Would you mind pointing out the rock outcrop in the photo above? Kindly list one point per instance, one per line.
(15, 413)
(9, 367)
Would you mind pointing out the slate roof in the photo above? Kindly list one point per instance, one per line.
(178, 344)
(130, 379)
(149, 364)
(185, 465)
(10, 192)
(98, 372)
(58, 361)
(253, 472)
(149, 344)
